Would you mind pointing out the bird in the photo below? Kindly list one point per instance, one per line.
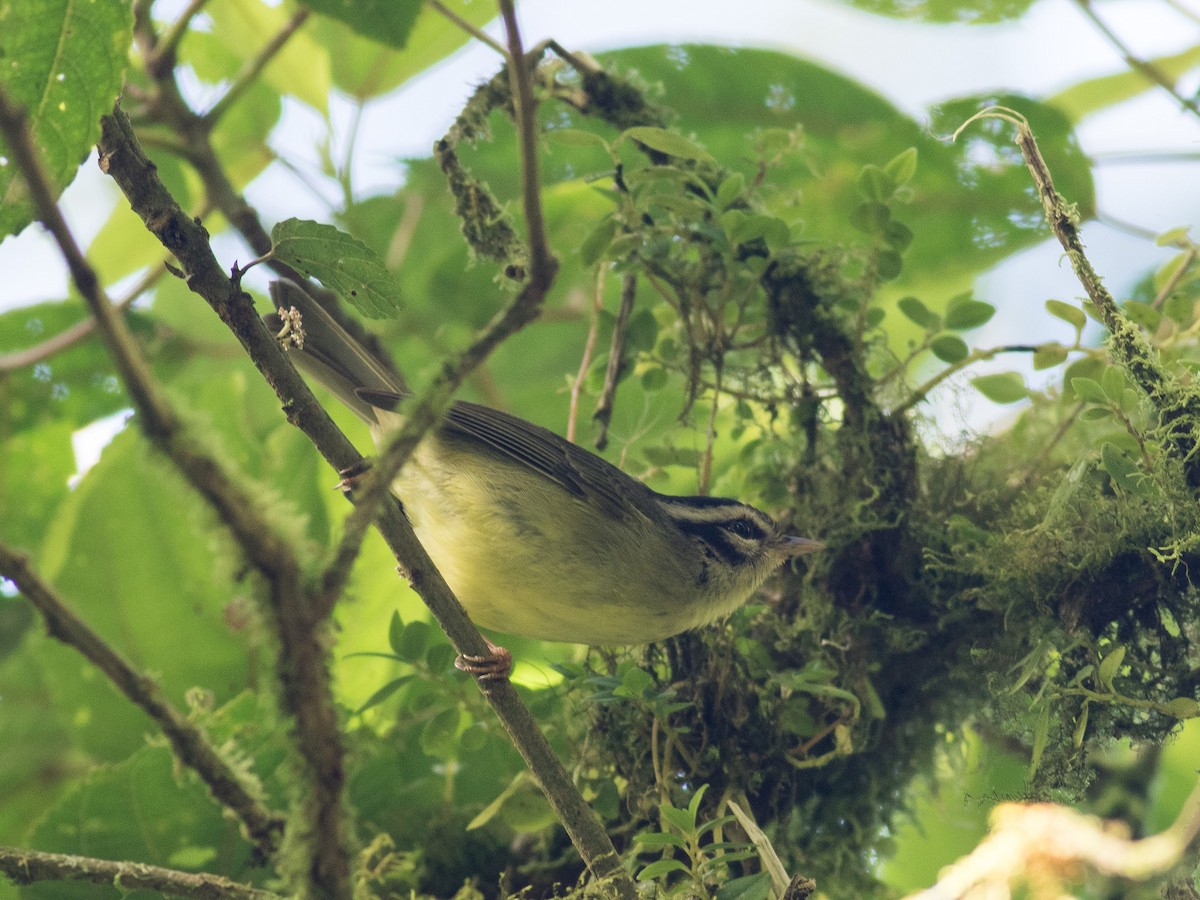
(535, 535)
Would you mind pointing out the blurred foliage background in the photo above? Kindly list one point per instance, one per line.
(1002, 614)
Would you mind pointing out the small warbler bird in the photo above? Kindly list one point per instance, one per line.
(537, 536)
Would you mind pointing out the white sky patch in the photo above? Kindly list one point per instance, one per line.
(90, 440)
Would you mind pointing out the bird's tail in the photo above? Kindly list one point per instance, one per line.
(332, 356)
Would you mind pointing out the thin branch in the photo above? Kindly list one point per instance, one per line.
(29, 866)
(254, 67)
(589, 350)
(970, 359)
(616, 356)
(167, 46)
(1147, 69)
(68, 337)
(190, 743)
(479, 35)
(542, 264)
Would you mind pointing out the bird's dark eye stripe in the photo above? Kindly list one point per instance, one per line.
(714, 535)
(746, 528)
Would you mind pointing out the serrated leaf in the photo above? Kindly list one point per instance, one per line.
(64, 62)
(966, 314)
(342, 263)
(1089, 389)
(386, 21)
(902, 167)
(668, 142)
(917, 312)
(1111, 664)
(1072, 315)
(949, 348)
(1003, 387)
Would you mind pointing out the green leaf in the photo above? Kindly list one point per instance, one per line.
(659, 868)
(1121, 468)
(668, 142)
(395, 632)
(902, 167)
(1111, 664)
(1108, 91)
(1047, 356)
(1142, 314)
(594, 245)
(1113, 382)
(1072, 315)
(384, 692)
(730, 189)
(64, 62)
(342, 263)
(747, 887)
(898, 235)
(412, 641)
(1081, 726)
(1089, 389)
(657, 840)
(654, 379)
(439, 736)
(386, 21)
(875, 184)
(949, 348)
(1041, 734)
(1183, 708)
(575, 137)
(964, 314)
(871, 218)
(1003, 387)
(680, 819)
(916, 311)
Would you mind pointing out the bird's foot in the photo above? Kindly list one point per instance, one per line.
(495, 665)
(351, 475)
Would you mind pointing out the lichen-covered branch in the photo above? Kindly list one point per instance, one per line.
(30, 866)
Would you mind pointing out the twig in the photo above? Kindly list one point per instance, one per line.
(479, 35)
(28, 866)
(254, 67)
(302, 664)
(970, 359)
(189, 742)
(68, 337)
(589, 349)
(616, 356)
(1177, 406)
(165, 49)
(1150, 70)
(542, 264)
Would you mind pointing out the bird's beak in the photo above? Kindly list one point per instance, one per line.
(798, 546)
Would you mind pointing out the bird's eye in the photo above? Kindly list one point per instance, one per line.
(743, 528)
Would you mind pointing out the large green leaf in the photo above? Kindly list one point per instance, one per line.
(1106, 91)
(125, 552)
(63, 61)
(386, 21)
(364, 68)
